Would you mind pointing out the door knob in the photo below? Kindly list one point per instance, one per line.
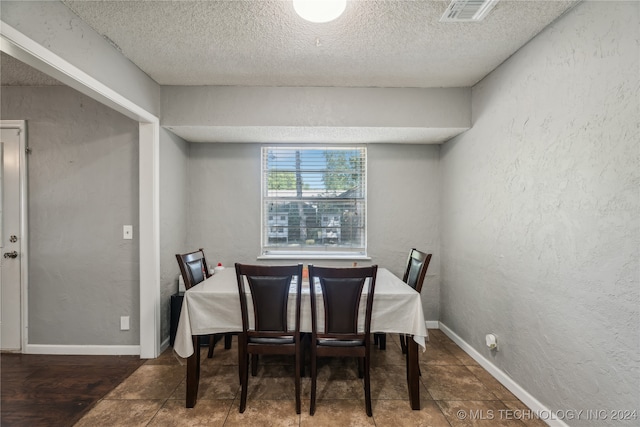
(12, 254)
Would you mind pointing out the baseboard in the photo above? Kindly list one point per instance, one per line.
(432, 324)
(92, 350)
(534, 404)
(164, 345)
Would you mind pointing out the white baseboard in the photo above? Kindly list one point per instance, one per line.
(545, 414)
(164, 345)
(432, 324)
(93, 350)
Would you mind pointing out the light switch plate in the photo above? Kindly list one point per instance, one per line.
(127, 232)
(124, 323)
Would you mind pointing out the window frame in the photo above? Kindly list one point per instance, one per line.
(321, 252)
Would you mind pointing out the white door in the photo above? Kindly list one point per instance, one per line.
(11, 236)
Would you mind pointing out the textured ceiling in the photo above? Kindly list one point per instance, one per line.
(264, 43)
(374, 43)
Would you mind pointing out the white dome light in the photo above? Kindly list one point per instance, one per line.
(319, 10)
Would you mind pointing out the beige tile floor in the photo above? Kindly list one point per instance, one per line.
(455, 391)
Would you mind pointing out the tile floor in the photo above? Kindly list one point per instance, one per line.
(455, 391)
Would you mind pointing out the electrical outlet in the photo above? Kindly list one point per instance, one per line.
(124, 323)
(127, 232)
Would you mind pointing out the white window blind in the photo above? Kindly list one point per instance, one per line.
(314, 200)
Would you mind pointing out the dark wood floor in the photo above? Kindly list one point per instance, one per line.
(46, 390)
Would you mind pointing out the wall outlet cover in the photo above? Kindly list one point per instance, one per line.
(127, 232)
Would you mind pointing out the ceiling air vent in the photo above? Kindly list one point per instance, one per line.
(467, 10)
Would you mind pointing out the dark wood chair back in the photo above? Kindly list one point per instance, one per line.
(269, 288)
(193, 267)
(342, 293)
(272, 332)
(416, 270)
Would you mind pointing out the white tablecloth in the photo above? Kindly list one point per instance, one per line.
(213, 306)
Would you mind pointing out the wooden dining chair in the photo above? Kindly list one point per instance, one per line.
(342, 291)
(414, 275)
(272, 332)
(194, 269)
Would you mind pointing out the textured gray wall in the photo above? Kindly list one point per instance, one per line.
(173, 218)
(403, 212)
(83, 187)
(540, 214)
(224, 213)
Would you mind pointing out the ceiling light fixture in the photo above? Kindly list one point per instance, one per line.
(319, 10)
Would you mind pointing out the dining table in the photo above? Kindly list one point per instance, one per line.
(213, 307)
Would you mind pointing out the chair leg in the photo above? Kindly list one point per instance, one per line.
(314, 375)
(304, 342)
(380, 339)
(297, 376)
(244, 377)
(212, 344)
(227, 341)
(367, 386)
(360, 367)
(403, 343)
(254, 365)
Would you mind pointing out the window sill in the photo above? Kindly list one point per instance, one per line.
(335, 257)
